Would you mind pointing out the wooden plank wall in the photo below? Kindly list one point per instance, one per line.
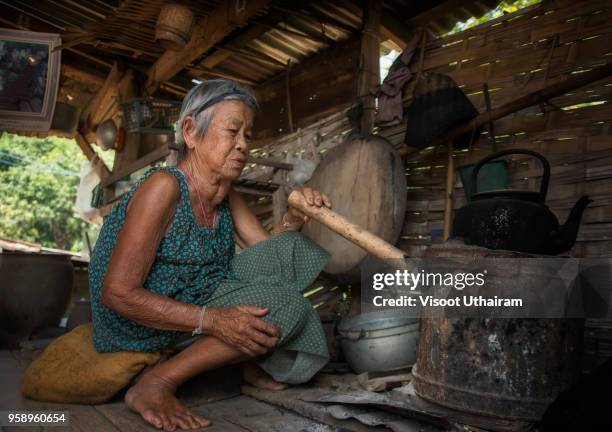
(515, 54)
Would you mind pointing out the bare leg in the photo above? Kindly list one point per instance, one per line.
(153, 396)
(256, 376)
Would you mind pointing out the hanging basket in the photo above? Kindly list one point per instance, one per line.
(143, 115)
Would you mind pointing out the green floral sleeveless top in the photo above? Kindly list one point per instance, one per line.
(189, 264)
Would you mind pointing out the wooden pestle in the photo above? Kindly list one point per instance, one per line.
(342, 226)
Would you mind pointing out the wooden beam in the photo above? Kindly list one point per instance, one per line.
(393, 29)
(80, 75)
(369, 72)
(523, 102)
(261, 57)
(301, 32)
(526, 101)
(89, 152)
(315, 35)
(270, 163)
(319, 12)
(390, 27)
(200, 73)
(144, 161)
(253, 32)
(102, 103)
(206, 33)
(85, 38)
(180, 93)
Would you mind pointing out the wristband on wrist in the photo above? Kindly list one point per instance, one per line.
(198, 329)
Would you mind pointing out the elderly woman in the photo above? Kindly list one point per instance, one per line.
(164, 267)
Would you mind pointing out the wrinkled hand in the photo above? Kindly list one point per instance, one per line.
(242, 328)
(313, 197)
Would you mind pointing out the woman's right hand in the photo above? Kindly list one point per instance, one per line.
(242, 328)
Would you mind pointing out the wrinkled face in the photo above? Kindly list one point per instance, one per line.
(224, 147)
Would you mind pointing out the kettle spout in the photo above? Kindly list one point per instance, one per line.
(564, 238)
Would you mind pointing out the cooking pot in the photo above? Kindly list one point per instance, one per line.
(516, 220)
(379, 341)
(34, 292)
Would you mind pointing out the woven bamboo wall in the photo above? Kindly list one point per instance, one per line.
(515, 55)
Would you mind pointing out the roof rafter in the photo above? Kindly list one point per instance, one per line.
(253, 32)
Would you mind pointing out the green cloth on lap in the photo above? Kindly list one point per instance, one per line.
(273, 273)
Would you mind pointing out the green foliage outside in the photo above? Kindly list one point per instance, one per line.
(39, 178)
(504, 7)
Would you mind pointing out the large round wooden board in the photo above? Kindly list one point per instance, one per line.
(365, 179)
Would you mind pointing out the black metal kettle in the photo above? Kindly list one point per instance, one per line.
(516, 220)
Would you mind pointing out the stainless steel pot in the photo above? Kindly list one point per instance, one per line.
(379, 341)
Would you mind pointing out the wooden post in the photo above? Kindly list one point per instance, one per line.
(129, 153)
(450, 190)
(89, 152)
(288, 93)
(279, 198)
(369, 73)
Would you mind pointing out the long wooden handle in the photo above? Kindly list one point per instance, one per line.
(339, 224)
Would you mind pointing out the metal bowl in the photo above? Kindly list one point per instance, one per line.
(106, 134)
(379, 341)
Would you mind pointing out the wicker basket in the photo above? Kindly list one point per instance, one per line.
(150, 115)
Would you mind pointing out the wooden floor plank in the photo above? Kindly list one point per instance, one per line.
(290, 399)
(123, 418)
(248, 414)
(214, 395)
(86, 419)
(240, 414)
(12, 366)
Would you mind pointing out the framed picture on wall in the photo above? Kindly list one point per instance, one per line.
(29, 79)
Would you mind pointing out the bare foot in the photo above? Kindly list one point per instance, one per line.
(153, 398)
(256, 376)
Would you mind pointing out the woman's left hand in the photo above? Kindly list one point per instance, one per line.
(313, 197)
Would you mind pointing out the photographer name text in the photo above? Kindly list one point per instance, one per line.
(459, 301)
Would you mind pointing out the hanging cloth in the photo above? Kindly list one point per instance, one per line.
(391, 107)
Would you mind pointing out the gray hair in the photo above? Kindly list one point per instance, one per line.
(200, 101)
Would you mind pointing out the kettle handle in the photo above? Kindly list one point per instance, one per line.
(542, 159)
